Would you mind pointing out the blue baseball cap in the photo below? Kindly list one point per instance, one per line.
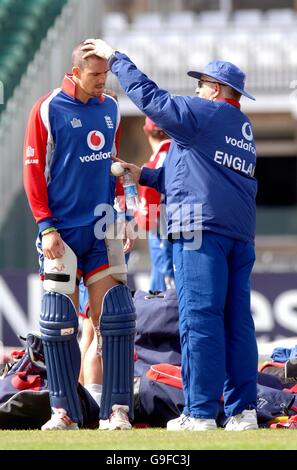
(226, 73)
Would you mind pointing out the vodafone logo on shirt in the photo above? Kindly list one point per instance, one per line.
(96, 140)
(247, 131)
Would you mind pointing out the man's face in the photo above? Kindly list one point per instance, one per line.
(92, 77)
(208, 88)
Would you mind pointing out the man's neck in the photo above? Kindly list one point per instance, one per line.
(80, 94)
(232, 101)
(154, 143)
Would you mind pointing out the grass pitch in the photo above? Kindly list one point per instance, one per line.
(149, 439)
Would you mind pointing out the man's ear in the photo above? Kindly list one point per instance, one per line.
(76, 72)
(216, 91)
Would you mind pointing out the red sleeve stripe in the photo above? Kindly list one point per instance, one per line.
(35, 159)
(116, 143)
(44, 113)
(117, 139)
(119, 190)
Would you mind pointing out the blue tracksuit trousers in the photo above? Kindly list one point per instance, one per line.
(219, 350)
(160, 251)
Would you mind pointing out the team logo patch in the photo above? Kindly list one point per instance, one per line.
(67, 331)
(96, 140)
(109, 122)
(76, 123)
(59, 268)
(30, 151)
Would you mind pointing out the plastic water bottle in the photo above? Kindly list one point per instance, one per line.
(130, 190)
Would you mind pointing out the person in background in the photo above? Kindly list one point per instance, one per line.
(148, 215)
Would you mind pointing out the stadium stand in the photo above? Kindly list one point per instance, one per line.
(248, 18)
(284, 17)
(213, 19)
(115, 22)
(23, 24)
(263, 43)
(147, 22)
(182, 20)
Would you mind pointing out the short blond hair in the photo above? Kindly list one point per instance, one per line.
(77, 56)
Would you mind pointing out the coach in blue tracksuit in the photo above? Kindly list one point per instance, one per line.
(209, 185)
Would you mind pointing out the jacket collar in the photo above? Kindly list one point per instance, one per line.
(162, 147)
(69, 87)
(230, 101)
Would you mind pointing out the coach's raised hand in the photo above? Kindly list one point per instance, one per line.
(97, 47)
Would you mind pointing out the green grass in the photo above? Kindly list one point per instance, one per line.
(149, 439)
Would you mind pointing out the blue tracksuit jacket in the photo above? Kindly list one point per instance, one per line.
(211, 161)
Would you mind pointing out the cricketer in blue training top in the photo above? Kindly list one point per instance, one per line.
(210, 166)
(71, 136)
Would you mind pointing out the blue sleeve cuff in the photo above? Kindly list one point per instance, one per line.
(145, 176)
(112, 59)
(153, 177)
(46, 223)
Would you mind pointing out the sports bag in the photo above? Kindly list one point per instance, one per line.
(24, 396)
(157, 334)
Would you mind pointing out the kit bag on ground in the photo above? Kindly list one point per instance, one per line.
(157, 335)
(157, 384)
(24, 396)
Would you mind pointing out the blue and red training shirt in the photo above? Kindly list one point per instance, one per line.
(68, 153)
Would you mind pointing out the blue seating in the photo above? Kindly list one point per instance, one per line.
(23, 24)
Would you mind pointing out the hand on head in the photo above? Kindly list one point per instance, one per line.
(97, 47)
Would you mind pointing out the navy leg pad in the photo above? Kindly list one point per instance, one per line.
(117, 328)
(59, 326)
